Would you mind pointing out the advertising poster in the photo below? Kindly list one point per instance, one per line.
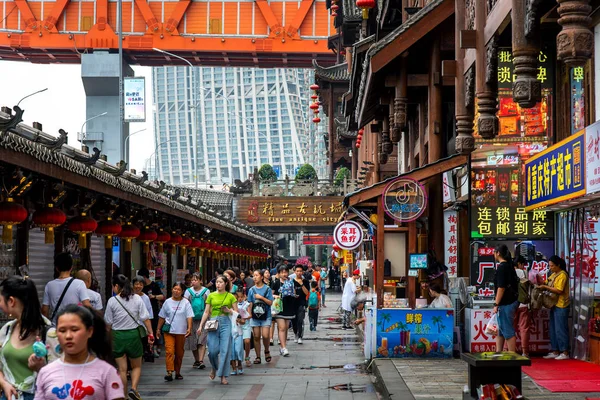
(424, 333)
(134, 103)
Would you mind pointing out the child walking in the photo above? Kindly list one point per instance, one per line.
(313, 305)
(241, 335)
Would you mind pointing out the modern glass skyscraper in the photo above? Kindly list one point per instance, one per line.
(231, 120)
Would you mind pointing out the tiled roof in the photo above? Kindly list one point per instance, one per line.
(335, 73)
(350, 11)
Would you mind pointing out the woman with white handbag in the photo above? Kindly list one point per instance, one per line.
(216, 320)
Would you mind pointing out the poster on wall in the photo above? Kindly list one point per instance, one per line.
(451, 242)
(413, 333)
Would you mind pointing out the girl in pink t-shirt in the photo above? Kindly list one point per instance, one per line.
(82, 373)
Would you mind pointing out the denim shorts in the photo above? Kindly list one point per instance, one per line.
(260, 323)
(26, 396)
(506, 320)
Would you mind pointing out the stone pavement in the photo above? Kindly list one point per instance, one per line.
(328, 365)
(445, 379)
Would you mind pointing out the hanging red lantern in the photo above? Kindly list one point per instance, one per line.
(314, 106)
(316, 120)
(174, 241)
(335, 7)
(365, 5)
(11, 213)
(47, 219)
(128, 233)
(358, 145)
(314, 96)
(146, 236)
(82, 225)
(314, 86)
(108, 229)
(185, 241)
(316, 111)
(162, 237)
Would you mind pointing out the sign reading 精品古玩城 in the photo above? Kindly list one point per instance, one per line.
(592, 158)
(557, 173)
(404, 199)
(348, 235)
(451, 242)
(289, 211)
(134, 99)
(511, 223)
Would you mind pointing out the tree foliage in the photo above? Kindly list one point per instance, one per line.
(340, 175)
(306, 173)
(266, 173)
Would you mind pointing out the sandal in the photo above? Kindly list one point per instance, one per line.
(267, 356)
(224, 381)
(178, 377)
(248, 363)
(201, 366)
(212, 375)
(257, 360)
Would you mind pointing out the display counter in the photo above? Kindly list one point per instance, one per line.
(423, 332)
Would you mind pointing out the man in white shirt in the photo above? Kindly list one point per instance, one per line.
(350, 291)
(75, 294)
(95, 298)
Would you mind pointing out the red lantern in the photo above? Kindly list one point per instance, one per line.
(316, 120)
(314, 106)
(365, 5)
(358, 145)
(185, 241)
(335, 7)
(174, 241)
(314, 86)
(11, 214)
(314, 97)
(108, 229)
(316, 111)
(128, 233)
(146, 236)
(162, 238)
(82, 225)
(47, 219)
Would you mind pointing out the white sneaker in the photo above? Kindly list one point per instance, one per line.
(562, 356)
(299, 340)
(296, 339)
(285, 352)
(550, 356)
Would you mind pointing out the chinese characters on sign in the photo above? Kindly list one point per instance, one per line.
(592, 157)
(577, 100)
(348, 235)
(451, 240)
(134, 100)
(511, 223)
(557, 173)
(404, 199)
(290, 211)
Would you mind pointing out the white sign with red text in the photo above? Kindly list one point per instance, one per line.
(451, 242)
(348, 235)
(448, 195)
(592, 154)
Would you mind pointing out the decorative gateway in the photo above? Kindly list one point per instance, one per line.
(404, 199)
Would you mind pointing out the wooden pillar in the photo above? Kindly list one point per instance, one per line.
(575, 42)
(126, 267)
(108, 272)
(169, 270)
(486, 77)
(527, 90)
(465, 142)
(354, 160)
(22, 245)
(398, 116)
(380, 258)
(331, 134)
(412, 248)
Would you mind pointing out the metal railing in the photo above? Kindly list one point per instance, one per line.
(317, 187)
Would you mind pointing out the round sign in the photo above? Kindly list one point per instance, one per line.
(404, 199)
(348, 235)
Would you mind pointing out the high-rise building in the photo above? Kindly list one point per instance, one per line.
(232, 120)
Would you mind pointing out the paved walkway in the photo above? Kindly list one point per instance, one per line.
(329, 365)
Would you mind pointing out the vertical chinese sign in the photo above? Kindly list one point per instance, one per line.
(451, 240)
(577, 100)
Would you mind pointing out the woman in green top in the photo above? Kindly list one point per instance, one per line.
(219, 306)
(18, 363)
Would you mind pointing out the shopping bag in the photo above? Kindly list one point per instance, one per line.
(276, 306)
(492, 326)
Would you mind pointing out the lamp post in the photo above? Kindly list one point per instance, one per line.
(86, 121)
(127, 148)
(154, 153)
(32, 94)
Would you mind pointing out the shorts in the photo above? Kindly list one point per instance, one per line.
(246, 331)
(258, 323)
(506, 320)
(193, 341)
(127, 343)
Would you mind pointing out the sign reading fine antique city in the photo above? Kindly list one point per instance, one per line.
(290, 211)
(404, 199)
(348, 235)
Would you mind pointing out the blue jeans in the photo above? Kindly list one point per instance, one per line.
(559, 329)
(219, 343)
(506, 320)
(26, 396)
(323, 294)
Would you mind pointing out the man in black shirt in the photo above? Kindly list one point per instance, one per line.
(507, 292)
(152, 290)
(302, 288)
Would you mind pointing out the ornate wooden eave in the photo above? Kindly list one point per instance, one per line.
(343, 133)
(336, 74)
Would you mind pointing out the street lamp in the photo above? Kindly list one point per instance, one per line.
(86, 121)
(127, 148)
(173, 55)
(32, 94)
(154, 153)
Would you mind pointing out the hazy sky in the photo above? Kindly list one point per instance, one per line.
(63, 104)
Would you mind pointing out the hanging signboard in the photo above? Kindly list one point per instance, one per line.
(451, 242)
(348, 235)
(557, 173)
(511, 223)
(134, 101)
(288, 211)
(448, 195)
(404, 199)
(592, 158)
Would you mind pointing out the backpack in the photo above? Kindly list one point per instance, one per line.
(198, 304)
(525, 291)
(313, 300)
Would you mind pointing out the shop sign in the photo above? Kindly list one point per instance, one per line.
(557, 173)
(448, 196)
(134, 105)
(348, 235)
(289, 211)
(404, 199)
(592, 157)
(317, 240)
(414, 333)
(539, 339)
(348, 259)
(451, 240)
(511, 223)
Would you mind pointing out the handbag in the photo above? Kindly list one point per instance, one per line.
(213, 324)
(141, 329)
(166, 328)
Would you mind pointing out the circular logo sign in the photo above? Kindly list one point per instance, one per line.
(404, 199)
(348, 235)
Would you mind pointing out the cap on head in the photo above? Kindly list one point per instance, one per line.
(356, 272)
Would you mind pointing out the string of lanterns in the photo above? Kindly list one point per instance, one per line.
(315, 105)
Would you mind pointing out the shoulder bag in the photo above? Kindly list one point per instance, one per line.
(166, 328)
(213, 324)
(62, 296)
(141, 328)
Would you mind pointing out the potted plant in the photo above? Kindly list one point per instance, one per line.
(306, 173)
(266, 174)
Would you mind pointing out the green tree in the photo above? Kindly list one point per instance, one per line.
(266, 173)
(385, 317)
(340, 175)
(306, 173)
(437, 320)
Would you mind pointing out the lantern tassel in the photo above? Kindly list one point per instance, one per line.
(82, 240)
(128, 245)
(7, 234)
(365, 13)
(146, 247)
(49, 235)
(161, 248)
(107, 242)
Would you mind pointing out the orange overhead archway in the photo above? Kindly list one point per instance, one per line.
(276, 33)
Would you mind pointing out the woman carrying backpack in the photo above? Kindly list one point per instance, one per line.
(260, 298)
(197, 295)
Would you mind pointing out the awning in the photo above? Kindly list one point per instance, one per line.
(419, 174)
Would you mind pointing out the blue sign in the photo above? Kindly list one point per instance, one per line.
(277, 170)
(426, 332)
(557, 173)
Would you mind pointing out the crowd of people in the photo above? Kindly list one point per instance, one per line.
(72, 346)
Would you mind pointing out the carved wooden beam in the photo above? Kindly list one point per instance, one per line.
(464, 143)
(527, 90)
(575, 42)
(386, 144)
(400, 102)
